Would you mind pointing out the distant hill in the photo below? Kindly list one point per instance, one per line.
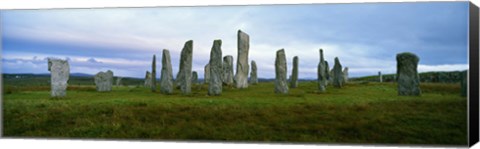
(44, 74)
(81, 75)
(87, 79)
(434, 76)
(44, 79)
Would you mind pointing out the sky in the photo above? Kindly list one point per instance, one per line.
(365, 37)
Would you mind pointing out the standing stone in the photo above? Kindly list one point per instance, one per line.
(253, 73)
(194, 78)
(148, 80)
(407, 76)
(119, 81)
(322, 71)
(228, 70)
(216, 64)
(104, 81)
(330, 73)
(184, 75)
(345, 75)
(59, 75)
(243, 45)
(206, 75)
(327, 73)
(281, 86)
(166, 78)
(380, 77)
(337, 74)
(464, 83)
(154, 74)
(294, 76)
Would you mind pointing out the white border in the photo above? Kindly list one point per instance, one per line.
(81, 144)
(37, 4)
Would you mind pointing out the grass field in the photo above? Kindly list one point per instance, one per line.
(358, 113)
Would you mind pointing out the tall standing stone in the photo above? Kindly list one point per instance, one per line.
(228, 70)
(166, 78)
(464, 83)
(206, 75)
(241, 76)
(294, 77)
(216, 69)
(322, 73)
(59, 75)
(337, 74)
(407, 76)
(345, 74)
(380, 77)
(184, 75)
(194, 78)
(327, 73)
(119, 81)
(104, 81)
(281, 86)
(154, 74)
(253, 73)
(148, 80)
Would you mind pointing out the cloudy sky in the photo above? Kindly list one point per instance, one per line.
(365, 37)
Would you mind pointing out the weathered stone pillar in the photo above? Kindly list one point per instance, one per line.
(337, 74)
(253, 73)
(59, 75)
(119, 81)
(294, 79)
(281, 86)
(216, 64)
(166, 78)
(154, 74)
(104, 81)
(184, 75)
(407, 76)
(228, 70)
(380, 77)
(206, 75)
(241, 76)
(148, 80)
(345, 74)
(322, 71)
(194, 78)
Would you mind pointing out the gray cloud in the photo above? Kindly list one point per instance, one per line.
(366, 37)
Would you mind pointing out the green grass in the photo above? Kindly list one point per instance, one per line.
(357, 113)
